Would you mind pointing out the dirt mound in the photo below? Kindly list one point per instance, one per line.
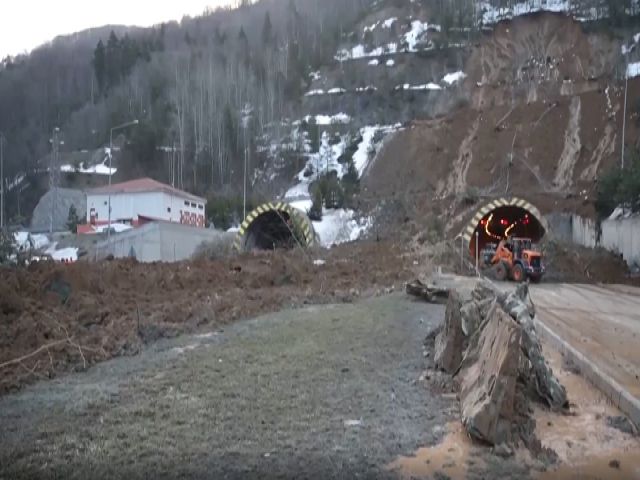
(575, 264)
(55, 318)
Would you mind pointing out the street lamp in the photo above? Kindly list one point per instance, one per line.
(118, 127)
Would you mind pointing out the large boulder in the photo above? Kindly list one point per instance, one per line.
(536, 372)
(488, 379)
(450, 342)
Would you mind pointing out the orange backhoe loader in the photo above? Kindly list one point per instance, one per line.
(516, 259)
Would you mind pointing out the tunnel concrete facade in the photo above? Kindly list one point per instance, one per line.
(281, 219)
(511, 206)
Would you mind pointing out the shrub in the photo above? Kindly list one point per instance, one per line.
(226, 211)
(221, 247)
(618, 188)
(315, 212)
(7, 247)
(72, 219)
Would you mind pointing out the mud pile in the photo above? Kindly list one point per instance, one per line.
(56, 318)
(489, 343)
(576, 264)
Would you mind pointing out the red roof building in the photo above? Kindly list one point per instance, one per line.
(146, 198)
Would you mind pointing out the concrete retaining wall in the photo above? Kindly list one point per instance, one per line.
(584, 231)
(620, 236)
(159, 242)
(623, 236)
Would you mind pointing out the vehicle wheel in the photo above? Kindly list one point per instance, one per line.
(501, 272)
(518, 274)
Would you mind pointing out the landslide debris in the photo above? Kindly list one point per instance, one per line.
(56, 318)
(489, 344)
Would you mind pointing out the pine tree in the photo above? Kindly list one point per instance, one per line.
(73, 220)
(267, 30)
(112, 60)
(99, 65)
(230, 131)
(244, 46)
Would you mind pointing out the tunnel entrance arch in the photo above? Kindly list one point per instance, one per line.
(502, 218)
(273, 226)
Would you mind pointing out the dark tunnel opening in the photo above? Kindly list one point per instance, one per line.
(270, 231)
(504, 222)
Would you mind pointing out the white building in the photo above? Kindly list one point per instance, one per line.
(143, 200)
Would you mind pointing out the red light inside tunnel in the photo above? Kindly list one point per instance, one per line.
(504, 222)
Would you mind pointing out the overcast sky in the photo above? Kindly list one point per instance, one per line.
(26, 24)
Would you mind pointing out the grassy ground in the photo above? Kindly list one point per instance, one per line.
(324, 392)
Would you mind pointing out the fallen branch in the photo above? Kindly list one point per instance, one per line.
(544, 114)
(425, 292)
(501, 121)
(32, 354)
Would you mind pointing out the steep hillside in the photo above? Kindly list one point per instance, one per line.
(543, 121)
(266, 81)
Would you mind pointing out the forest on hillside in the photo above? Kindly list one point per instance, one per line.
(205, 89)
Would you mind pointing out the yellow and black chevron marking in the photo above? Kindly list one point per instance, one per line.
(301, 223)
(467, 233)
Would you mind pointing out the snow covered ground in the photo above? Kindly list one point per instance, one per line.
(455, 77)
(427, 86)
(338, 118)
(408, 43)
(115, 227)
(340, 226)
(99, 169)
(492, 15)
(26, 241)
(633, 70)
(63, 255)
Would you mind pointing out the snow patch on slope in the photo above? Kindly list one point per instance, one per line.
(633, 70)
(337, 225)
(455, 77)
(340, 226)
(339, 118)
(492, 15)
(99, 169)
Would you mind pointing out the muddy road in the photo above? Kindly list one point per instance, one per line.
(322, 392)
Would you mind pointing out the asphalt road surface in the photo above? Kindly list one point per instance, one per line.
(601, 322)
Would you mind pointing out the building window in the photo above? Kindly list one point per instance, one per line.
(201, 207)
(168, 209)
(106, 203)
(193, 205)
(186, 204)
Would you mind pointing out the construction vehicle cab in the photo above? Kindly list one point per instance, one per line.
(516, 259)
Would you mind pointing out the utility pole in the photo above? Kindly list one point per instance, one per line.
(245, 124)
(624, 115)
(244, 190)
(119, 127)
(2, 182)
(54, 174)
